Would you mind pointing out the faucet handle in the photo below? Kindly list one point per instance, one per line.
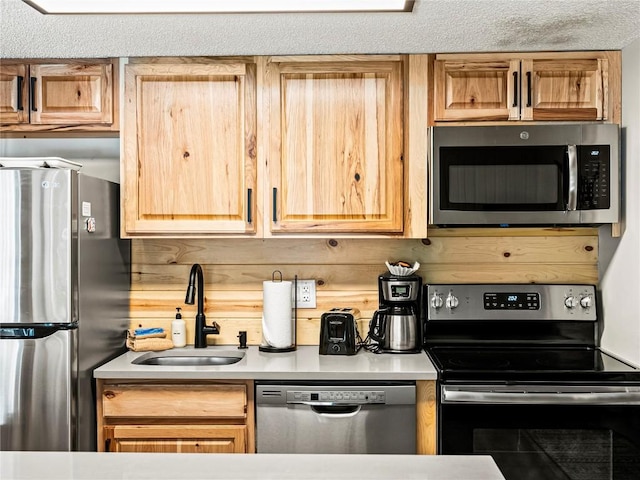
(242, 337)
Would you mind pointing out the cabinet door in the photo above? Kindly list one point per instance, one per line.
(465, 89)
(178, 438)
(71, 94)
(13, 94)
(564, 89)
(336, 133)
(189, 149)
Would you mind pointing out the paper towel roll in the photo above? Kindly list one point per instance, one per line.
(277, 318)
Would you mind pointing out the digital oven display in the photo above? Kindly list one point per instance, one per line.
(511, 301)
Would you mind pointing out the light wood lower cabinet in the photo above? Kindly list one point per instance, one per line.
(198, 417)
(178, 438)
(205, 417)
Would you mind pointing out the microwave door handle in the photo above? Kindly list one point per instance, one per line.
(572, 197)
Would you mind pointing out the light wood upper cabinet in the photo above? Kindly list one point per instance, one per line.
(465, 89)
(565, 89)
(13, 92)
(189, 142)
(71, 95)
(335, 153)
(557, 86)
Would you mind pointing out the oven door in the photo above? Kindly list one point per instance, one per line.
(551, 433)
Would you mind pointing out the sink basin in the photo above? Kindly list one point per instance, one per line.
(190, 358)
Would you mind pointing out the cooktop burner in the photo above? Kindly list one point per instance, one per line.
(527, 358)
(528, 363)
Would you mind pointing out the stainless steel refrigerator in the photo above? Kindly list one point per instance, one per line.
(64, 283)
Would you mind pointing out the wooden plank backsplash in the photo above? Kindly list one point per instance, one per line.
(346, 271)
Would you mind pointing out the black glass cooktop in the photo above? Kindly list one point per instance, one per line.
(529, 364)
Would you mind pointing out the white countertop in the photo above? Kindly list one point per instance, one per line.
(196, 466)
(305, 363)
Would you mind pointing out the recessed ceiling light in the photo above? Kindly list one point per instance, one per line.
(217, 6)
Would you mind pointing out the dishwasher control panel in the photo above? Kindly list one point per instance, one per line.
(351, 397)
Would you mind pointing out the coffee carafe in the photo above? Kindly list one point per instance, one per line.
(395, 326)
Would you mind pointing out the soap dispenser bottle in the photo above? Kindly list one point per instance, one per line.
(178, 330)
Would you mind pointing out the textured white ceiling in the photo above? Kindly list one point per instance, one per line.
(433, 26)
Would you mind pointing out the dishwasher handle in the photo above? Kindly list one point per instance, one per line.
(336, 411)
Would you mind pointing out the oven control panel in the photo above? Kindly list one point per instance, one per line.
(511, 302)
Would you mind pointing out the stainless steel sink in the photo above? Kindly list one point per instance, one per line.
(189, 358)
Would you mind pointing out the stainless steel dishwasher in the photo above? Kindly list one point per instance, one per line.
(336, 417)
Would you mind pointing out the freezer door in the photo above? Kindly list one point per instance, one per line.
(37, 395)
(36, 241)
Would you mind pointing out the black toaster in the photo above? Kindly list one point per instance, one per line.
(339, 331)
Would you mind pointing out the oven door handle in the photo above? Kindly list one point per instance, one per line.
(621, 396)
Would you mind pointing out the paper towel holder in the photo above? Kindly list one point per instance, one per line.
(268, 348)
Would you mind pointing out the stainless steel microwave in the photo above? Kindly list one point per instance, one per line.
(560, 174)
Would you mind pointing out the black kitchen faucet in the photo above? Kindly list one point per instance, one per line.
(201, 327)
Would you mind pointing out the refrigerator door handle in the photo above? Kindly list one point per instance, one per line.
(25, 332)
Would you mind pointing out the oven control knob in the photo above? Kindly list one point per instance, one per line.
(586, 302)
(571, 302)
(436, 301)
(452, 301)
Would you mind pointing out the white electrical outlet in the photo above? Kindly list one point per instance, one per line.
(306, 294)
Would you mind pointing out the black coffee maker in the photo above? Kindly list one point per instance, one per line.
(395, 326)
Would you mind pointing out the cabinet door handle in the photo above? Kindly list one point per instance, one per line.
(249, 205)
(275, 205)
(20, 99)
(515, 89)
(32, 95)
(528, 89)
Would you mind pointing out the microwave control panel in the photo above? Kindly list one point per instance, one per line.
(594, 177)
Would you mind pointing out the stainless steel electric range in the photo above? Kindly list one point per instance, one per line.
(521, 377)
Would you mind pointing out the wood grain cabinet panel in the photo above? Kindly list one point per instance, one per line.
(61, 96)
(13, 94)
(565, 89)
(178, 439)
(426, 418)
(480, 90)
(336, 144)
(77, 94)
(222, 401)
(189, 148)
(198, 417)
(523, 87)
